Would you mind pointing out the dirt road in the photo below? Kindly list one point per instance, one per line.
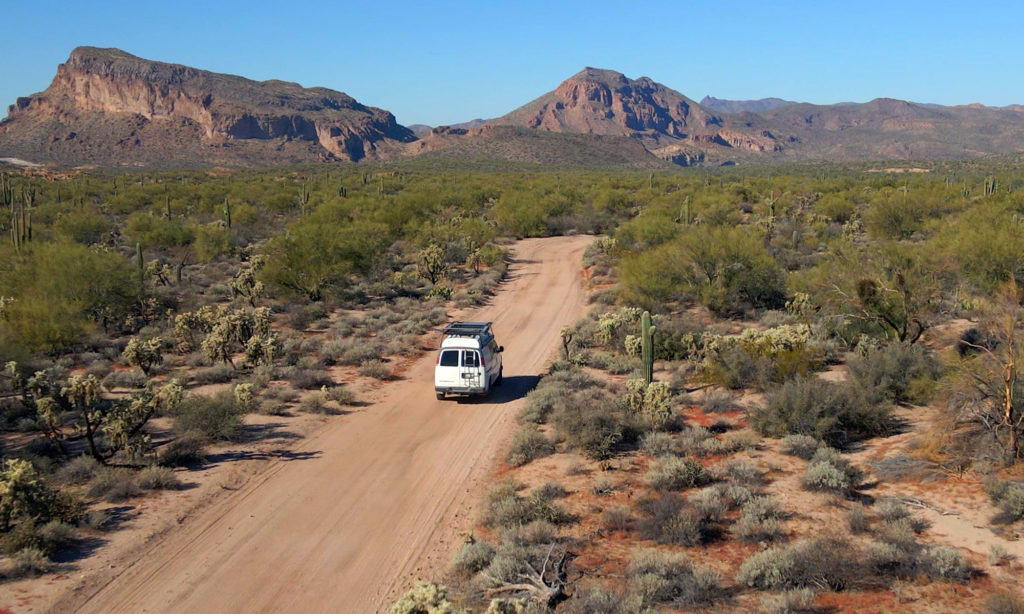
(372, 501)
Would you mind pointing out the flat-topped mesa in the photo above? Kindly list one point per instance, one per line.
(226, 107)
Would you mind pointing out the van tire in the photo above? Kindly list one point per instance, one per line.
(440, 396)
(497, 382)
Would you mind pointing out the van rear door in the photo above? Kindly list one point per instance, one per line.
(446, 373)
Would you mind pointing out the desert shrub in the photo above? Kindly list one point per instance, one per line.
(48, 538)
(760, 520)
(28, 563)
(528, 444)
(1009, 497)
(835, 413)
(898, 373)
(309, 379)
(891, 510)
(113, 485)
(78, 470)
(671, 578)
(216, 417)
(340, 395)
(669, 521)
(857, 518)
(473, 557)
(617, 518)
(157, 478)
(830, 562)
(657, 443)
(800, 446)
(124, 379)
(590, 599)
(792, 601)
(718, 402)
(828, 471)
(691, 441)
(944, 563)
(505, 508)
(997, 555)
(216, 374)
(357, 353)
(741, 471)
(572, 387)
(1004, 602)
(674, 473)
(595, 430)
(376, 369)
(714, 501)
(186, 450)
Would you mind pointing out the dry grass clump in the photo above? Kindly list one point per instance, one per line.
(674, 473)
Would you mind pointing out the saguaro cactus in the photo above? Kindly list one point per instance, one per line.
(140, 266)
(647, 346)
(227, 212)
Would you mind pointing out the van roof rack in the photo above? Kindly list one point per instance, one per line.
(468, 329)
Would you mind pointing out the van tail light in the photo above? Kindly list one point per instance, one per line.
(438, 361)
(482, 363)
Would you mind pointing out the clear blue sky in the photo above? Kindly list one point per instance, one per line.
(451, 61)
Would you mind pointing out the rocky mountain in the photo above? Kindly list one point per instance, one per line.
(744, 106)
(106, 106)
(670, 125)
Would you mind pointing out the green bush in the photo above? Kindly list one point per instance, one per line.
(595, 430)
(828, 471)
(896, 372)
(674, 473)
(671, 578)
(760, 520)
(473, 557)
(215, 417)
(1009, 497)
(830, 562)
(800, 446)
(668, 520)
(528, 444)
(506, 509)
(1004, 602)
(837, 414)
(186, 450)
(113, 485)
(376, 369)
(157, 478)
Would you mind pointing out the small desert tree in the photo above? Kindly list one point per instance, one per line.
(991, 394)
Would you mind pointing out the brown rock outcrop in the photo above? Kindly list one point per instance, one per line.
(112, 89)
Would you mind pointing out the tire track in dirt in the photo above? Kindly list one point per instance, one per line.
(372, 501)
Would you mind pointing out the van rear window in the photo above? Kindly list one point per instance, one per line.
(449, 358)
(471, 359)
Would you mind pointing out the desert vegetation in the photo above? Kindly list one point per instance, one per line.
(767, 351)
(820, 342)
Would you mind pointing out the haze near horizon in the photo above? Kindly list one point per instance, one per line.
(455, 61)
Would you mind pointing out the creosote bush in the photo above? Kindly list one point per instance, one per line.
(674, 473)
(216, 416)
(671, 578)
(528, 444)
(837, 414)
(828, 471)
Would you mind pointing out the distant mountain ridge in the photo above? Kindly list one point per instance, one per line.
(744, 106)
(109, 106)
(106, 107)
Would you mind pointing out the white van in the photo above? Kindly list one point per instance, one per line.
(469, 361)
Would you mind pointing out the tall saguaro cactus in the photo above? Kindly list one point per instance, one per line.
(647, 346)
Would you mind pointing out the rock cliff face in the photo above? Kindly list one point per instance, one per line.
(126, 104)
(670, 125)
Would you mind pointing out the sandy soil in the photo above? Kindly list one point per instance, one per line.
(354, 514)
